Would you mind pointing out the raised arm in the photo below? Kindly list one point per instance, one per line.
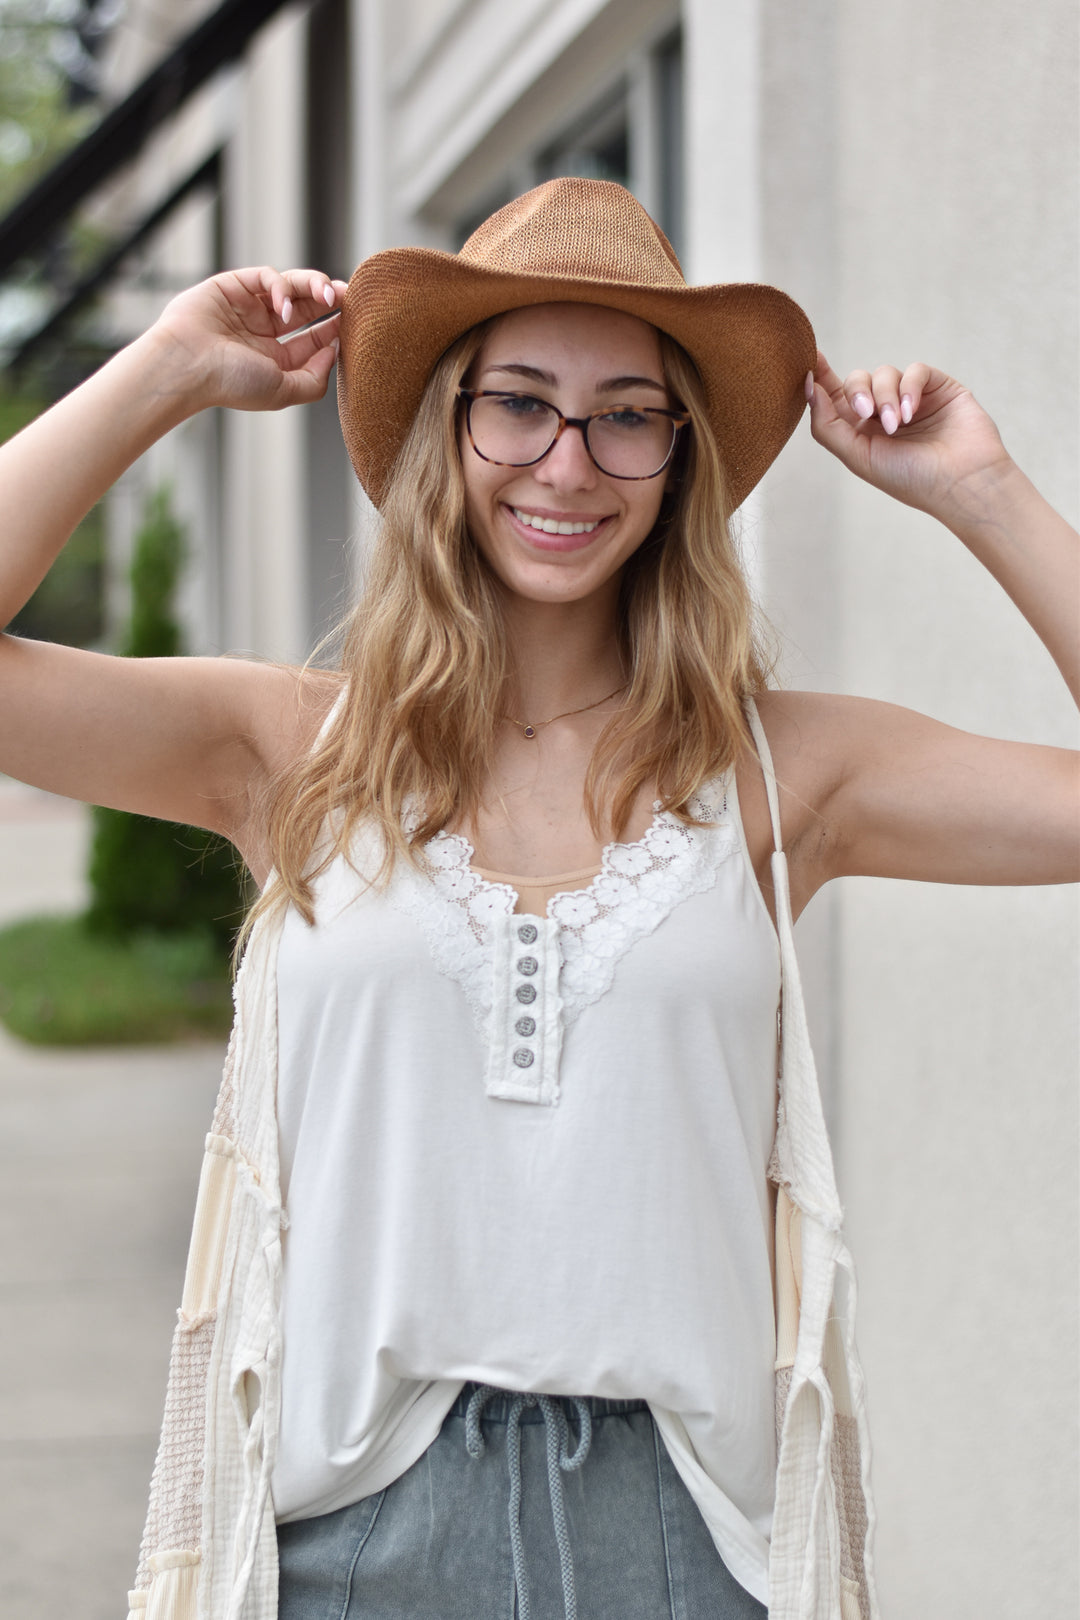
(924, 439)
(179, 737)
(876, 789)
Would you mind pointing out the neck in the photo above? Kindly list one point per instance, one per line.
(564, 655)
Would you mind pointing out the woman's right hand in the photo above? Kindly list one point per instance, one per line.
(218, 341)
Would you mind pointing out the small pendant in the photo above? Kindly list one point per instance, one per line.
(530, 731)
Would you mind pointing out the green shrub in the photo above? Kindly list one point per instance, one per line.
(157, 559)
(146, 873)
(60, 985)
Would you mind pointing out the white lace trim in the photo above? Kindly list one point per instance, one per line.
(453, 908)
(638, 885)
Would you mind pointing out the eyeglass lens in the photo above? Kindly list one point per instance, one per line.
(515, 429)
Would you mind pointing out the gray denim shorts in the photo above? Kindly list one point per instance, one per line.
(524, 1507)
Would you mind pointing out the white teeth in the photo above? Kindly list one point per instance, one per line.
(552, 525)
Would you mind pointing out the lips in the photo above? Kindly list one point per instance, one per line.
(551, 525)
(550, 533)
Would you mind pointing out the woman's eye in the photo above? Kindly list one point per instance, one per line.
(520, 405)
(625, 419)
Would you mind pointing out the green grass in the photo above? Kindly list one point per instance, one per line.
(61, 985)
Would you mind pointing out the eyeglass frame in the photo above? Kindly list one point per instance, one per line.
(680, 419)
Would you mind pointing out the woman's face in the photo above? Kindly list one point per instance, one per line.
(578, 358)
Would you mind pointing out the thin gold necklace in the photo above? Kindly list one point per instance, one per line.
(531, 730)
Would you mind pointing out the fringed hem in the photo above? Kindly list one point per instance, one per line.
(173, 1590)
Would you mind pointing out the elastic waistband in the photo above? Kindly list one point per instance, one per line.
(497, 1406)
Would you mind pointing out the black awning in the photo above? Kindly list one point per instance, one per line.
(218, 39)
(205, 175)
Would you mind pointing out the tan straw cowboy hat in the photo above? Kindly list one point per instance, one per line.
(568, 241)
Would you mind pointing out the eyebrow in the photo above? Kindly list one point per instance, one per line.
(534, 374)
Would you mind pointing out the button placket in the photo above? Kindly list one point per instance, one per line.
(524, 1056)
(526, 1015)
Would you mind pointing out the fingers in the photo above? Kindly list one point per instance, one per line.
(844, 414)
(308, 382)
(824, 374)
(296, 297)
(885, 398)
(832, 421)
(308, 294)
(875, 394)
(912, 386)
(297, 349)
(302, 384)
(309, 302)
(824, 388)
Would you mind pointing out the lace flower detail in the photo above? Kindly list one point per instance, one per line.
(487, 902)
(629, 860)
(609, 890)
(452, 905)
(639, 884)
(574, 908)
(444, 852)
(664, 838)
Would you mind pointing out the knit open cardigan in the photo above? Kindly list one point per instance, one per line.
(210, 1546)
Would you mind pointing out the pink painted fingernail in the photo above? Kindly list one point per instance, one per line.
(863, 406)
(328, 294)
(286, 311)
(907, 409)
(810, 386)
(889, 419)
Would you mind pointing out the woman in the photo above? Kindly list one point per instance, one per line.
(505, 1061)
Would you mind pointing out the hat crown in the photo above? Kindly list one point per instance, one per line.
(589, 229)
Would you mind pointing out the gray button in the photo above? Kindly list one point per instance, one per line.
(526, 993)
(526, 1025)
(527, 965)
(523, 1057)
(527, 933)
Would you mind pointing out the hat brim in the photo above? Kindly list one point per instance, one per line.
(752, 344)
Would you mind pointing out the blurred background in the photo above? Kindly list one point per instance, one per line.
(909, 174)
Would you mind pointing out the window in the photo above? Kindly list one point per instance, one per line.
(668, 75)
(632, 134)
(596, 148)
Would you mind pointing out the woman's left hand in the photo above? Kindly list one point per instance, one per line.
(915, 434)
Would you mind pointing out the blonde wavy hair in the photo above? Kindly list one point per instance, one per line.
(426, 661)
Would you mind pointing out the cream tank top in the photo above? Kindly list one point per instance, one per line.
(531, 1150)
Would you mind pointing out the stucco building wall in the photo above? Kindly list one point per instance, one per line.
(919, 193)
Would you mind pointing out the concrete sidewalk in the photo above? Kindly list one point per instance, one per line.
(99, 1163)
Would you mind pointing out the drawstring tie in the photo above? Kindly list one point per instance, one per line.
(559, 1462)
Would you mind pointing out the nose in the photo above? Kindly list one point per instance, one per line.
(567, 464)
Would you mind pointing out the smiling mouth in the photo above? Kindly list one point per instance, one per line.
(547, 525)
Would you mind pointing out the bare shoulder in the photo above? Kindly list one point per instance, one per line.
(817, 741)
(795, 724)
(286, 706)
(804, 731)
